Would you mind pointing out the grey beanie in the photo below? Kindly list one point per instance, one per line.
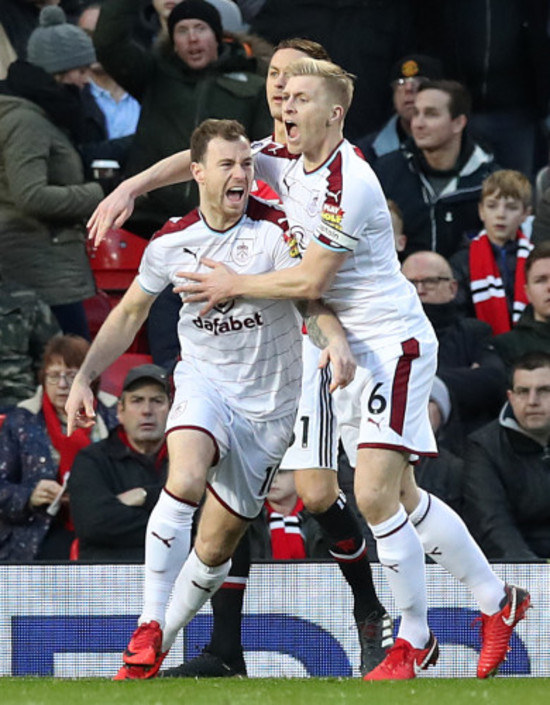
(57, 46)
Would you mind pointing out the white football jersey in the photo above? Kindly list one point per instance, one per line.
(341, 206)
(250, 349)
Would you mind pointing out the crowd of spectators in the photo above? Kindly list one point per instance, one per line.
(453, 124)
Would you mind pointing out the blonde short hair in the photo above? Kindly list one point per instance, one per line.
(340, 82)
(510, 184)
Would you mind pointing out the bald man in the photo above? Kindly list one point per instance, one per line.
(467, 363)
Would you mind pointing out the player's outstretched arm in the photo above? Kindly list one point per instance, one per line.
(114, 337)
(118, 206)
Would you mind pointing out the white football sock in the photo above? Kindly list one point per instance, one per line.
(447, 541)
(167, 544)
(196, 584)
(402, 558)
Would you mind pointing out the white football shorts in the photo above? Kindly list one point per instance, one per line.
(386, 405)
(249, 451)
(315, 438)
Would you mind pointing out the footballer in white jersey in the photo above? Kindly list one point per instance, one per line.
(378, 308)
(250, 349)
(371, 297)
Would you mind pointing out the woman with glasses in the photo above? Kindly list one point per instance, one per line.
(36, 457)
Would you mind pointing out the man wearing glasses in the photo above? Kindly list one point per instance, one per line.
(470, 369)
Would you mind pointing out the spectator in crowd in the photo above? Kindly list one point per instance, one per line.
(121, 110)
(436, 179)
(26, 325)
(491, 271)
(285, 530)
(501, 51)
(45, 199)
(405, 77)
(194, 75)
(36, 458)
(532, 331)
(470, 370)
(115, 483)
(507, 469)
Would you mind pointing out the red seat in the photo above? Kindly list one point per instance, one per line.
(2, 419)
(115, 262)
(97, 309)
(113, 377)
(116, 259)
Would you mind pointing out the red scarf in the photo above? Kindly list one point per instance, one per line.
(66, 446)
(488, 294)
(287, 541)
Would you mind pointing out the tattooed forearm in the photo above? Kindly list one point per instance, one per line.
(316, 335)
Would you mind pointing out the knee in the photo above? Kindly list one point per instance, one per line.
(214, 550)
(375, 504)
(187, 483)
(317, 499)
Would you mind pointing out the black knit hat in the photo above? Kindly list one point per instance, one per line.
(196, 10)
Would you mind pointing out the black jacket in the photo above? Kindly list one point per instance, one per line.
(527, 335)
(441, 222)
(507, 491)
(478, 392)
(174, 101)
(109, 531)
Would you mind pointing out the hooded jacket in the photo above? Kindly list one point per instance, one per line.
(44, 199)
(507, 490)
(174, 100)
(440, 222)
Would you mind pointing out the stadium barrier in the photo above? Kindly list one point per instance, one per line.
(74, 620)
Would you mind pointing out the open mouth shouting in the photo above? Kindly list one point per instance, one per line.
(235, 195)
(292, 132)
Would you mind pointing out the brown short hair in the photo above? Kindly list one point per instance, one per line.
(460, 101)
(540, 251)
(339, 80)
(230, 130)
(307, 46)
(533, 360)
(510, 184)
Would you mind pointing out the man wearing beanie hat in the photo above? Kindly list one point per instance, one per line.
(192, 75)
(57, 46)
(199, 11)
(405, 77)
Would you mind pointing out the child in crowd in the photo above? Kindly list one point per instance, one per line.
(491, 272)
